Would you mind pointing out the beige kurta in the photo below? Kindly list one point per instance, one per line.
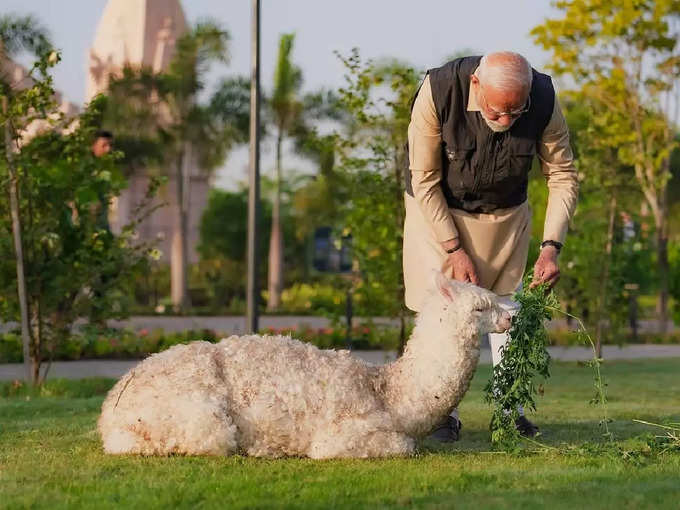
(497, 243)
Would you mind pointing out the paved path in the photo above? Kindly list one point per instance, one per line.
(116, 368)
(236, 324)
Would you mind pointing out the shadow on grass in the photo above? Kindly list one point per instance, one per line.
(561, 434)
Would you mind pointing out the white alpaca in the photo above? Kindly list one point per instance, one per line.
(274, 396)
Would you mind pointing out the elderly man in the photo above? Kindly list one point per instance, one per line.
(476, 125)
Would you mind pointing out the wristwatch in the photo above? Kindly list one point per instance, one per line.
(550, 242)
(452, 250)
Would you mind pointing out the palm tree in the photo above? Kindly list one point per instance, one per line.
(285, 112)
(160, 114)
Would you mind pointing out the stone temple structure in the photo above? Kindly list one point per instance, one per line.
(144, 33)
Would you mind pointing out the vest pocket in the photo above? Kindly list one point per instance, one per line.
(458, 165)
(517, 166)
(458, 157)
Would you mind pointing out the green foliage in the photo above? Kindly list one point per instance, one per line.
(23, 33)
(623, 57)
(372, 160)
(325, 299)
(222, 283)
(670, 439)
(224, 223)
(524, 357)
(284, 103)
(93, 342)
(221, 270)
(75, 267)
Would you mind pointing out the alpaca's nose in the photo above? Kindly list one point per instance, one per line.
(504, 322)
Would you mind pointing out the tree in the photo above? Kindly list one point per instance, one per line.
(74, 266)
(372, 159)
(160, 114)
(608, 190)
(625, 56)
(285, 108)
(292, 114)
(22, 105)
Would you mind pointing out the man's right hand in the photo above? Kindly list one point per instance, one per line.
(462, 266)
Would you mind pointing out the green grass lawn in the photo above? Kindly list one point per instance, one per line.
(50, 456)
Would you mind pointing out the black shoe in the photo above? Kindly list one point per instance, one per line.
(448, 431)
(526, 428)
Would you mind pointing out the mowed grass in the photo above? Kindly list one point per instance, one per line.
(50, 456)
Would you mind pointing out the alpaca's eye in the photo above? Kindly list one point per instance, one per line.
(479, 309)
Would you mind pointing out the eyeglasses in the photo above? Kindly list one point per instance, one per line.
(494, 115)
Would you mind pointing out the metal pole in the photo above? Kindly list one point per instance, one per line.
(254, 171)
(348, 316)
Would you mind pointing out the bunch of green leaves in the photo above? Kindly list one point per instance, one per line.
(524, 357)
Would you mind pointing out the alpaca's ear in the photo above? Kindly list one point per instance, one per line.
(443, 285)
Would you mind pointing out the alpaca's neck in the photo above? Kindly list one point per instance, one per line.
(429, 380)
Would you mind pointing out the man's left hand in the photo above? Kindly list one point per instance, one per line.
(546, 269)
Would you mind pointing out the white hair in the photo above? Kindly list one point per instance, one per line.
(507, 71)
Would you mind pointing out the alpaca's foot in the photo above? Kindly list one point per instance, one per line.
(359, 439)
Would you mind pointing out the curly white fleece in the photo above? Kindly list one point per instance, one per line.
(274, 396)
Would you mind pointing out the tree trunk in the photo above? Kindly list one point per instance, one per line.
(178, 259)
(18, 247)
(276, 239)
(38, 347)
(664, 270)
(605, 278)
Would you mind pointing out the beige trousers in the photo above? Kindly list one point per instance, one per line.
(497, 243)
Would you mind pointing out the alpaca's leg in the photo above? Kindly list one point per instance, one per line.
(359, 438)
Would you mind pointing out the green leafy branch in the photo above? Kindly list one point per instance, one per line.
(526, 356)
(522, 358)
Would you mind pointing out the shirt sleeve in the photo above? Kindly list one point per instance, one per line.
(424, 141)
(557, 165)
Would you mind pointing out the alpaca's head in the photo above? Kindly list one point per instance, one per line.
(466, 305)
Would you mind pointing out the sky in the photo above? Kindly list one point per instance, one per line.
(422, 33)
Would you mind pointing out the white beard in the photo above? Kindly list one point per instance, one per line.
(495, 126)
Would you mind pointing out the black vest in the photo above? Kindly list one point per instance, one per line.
(483, 170)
